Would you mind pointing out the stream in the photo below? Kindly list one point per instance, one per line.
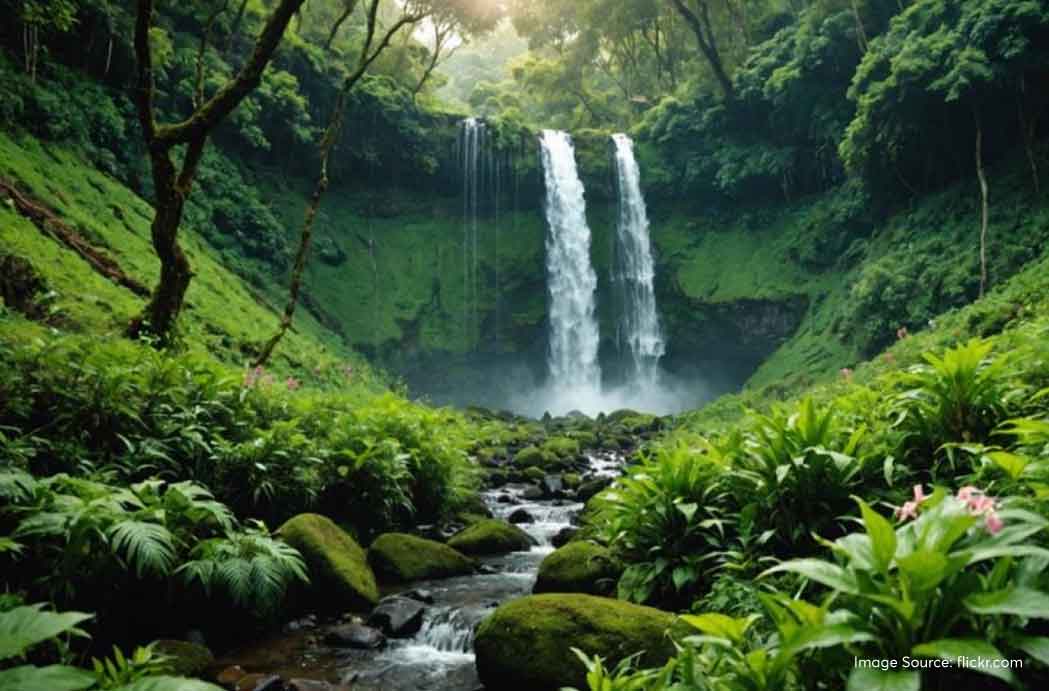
(440, 656)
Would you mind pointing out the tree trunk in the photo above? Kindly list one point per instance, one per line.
(984, 208)
(1029, 131)
(331, 136)
(701, 27)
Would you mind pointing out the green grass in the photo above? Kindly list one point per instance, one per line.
(224, 315)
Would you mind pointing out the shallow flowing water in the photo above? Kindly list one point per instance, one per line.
(440, 656)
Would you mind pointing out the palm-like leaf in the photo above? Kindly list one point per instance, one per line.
(147, 547)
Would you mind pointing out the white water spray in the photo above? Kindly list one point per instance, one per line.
(633, 273)
(574, 339)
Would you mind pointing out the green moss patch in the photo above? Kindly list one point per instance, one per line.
(490, 536)
(527, 643)
(400, 558)
(578, 567)
(339, 572)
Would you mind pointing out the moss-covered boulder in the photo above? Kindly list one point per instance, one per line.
(562, 447)
(572, 480)
(400, 558)
(490, 537)
(187, 659)
(578, 567)
(527, 643)
(532, 457)
(534, 474)
(339, 573)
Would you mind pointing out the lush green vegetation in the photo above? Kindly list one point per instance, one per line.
(899, 512)
(848, 215)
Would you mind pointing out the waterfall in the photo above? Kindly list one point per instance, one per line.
(484, 168)
(472, 137)
(571, 279)
(633, 272)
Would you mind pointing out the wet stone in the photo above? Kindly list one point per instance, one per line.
(521, 516)
(356, 636)
(398, 617)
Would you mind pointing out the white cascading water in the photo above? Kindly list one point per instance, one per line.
(472, 137)
(634, 272)
(572, 283)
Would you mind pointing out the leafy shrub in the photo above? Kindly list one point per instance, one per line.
(23, 629)
(957, 398)
(666, 520)
(799, 467)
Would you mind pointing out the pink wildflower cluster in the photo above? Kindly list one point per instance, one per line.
(256, 377)
(978, 503)
(293, 384)
(910, 509)
(981, 505)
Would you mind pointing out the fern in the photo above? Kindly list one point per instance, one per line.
(147, 547)
(250, 566)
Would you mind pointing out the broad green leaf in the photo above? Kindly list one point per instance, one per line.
(864, 679)
(972, 649)
(823, 572)
(882, 536)
(23, 627)
(1011, 463)
(1022, 602)
(812, 637)
(720, 625)
(1035, 646)
(923, 569)
(52, 678)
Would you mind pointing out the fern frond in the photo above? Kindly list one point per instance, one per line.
(148, 547)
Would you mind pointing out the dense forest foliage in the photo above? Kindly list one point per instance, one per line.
(229, 228)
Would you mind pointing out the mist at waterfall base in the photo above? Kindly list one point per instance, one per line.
(579, 368)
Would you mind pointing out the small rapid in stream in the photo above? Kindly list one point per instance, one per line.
(439, 657)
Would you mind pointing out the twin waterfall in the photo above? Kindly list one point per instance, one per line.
(575, 373)
(574, 377)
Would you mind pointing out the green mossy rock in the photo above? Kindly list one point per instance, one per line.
(339, 571)
(587, 440)
(534, 474)
(400, 558)
(187, 659)
(562, 447)
(531, 456)
(490, 536)
(571, 480)
(526, 645)
(579, 567)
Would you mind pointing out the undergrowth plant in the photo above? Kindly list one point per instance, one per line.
(31, 631)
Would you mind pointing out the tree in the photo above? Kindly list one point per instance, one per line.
(454, 22)
(173, 183)
(946, 69)
(43, 15)
(369, 51)
(697, 15)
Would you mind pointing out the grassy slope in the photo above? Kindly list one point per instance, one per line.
(224, 316)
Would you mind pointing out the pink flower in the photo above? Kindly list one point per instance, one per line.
(293, 384)
(966, 493)
(907, 511)
(902, 333)
(993, 523)
(910, 509)
(846, 374)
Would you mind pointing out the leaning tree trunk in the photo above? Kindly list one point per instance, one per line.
(984, 207)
